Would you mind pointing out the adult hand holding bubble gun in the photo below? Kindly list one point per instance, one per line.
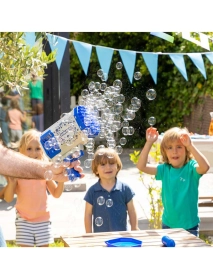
(60, 141)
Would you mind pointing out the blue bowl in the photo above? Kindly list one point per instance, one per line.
(123, 242)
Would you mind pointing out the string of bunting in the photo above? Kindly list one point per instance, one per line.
(128, 57)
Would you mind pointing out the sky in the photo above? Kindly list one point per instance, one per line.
(111, 15)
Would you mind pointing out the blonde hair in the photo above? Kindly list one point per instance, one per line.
(103, 156)
(29, 135)
(171, 135)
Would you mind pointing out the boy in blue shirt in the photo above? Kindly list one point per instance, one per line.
(109, 200)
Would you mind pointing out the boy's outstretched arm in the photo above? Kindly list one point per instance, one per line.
(142, 165)
(203, 164)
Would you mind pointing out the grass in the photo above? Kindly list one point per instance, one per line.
(57, 243)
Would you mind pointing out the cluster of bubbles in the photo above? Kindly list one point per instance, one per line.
(107, 104)
(101, 201)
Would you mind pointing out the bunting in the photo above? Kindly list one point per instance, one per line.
(178, 60)
(128, 57)
(105, 57)
(151, 60)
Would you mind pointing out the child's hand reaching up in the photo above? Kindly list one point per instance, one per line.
(151, 134)
(185, 140)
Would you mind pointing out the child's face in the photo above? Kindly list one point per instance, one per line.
(107, 170)
(176, 153)
(34, 150)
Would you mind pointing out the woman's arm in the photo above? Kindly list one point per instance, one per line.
(55, 189)
(88, 217)
(2, 193)
(132, 215)
(15, 164)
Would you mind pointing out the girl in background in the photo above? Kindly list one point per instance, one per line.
(15, 117)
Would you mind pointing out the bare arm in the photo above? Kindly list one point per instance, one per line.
(23, 116)
(55, 189)
(151, 137)
(88, 218)
(132, 215)
(203, 164)
(15, 164)
(2, 193)
(10, 189)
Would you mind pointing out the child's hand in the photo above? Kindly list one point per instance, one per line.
(185, 140)
(151, 134)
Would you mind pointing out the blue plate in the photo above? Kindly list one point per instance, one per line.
(123, 242)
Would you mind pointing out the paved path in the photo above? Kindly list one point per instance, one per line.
(68, 211)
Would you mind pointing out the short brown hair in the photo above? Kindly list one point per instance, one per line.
(171, 135)
(105, 155)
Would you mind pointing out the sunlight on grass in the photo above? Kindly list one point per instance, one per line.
(57, 243)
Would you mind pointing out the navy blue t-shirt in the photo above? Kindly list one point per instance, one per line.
(109, 208)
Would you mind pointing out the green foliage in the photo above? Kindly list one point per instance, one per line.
(57, 243)
(175, 96)
(154, 191)
(18, 60)
(206, 238)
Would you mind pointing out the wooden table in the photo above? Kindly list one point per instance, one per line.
(153, 237)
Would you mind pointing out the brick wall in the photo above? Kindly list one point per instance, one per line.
(199, 120)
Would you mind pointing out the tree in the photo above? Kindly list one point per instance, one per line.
(175, 96)
(18, 60)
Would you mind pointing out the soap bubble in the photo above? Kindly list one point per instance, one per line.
(151, 94)
(125, 123)
(118, 149)
(47, 145)
(119, 65)
(84, 92)
(68, 187)
(104, 77)
(109, 203)
(100, 72)
(125, 131)
(87, 163)
(137, 75)
(48, 175)
(152, 121)
(117, 83)
(131, 130)
(99, 221)
(123, 141)
(100, 200)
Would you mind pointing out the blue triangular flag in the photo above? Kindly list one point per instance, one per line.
(58, 43)
(197, 59)
(83, 51)
(151, 60)
(178, 60)
(210, 56)
(105, 57)
(30, 38)
(128, 58)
